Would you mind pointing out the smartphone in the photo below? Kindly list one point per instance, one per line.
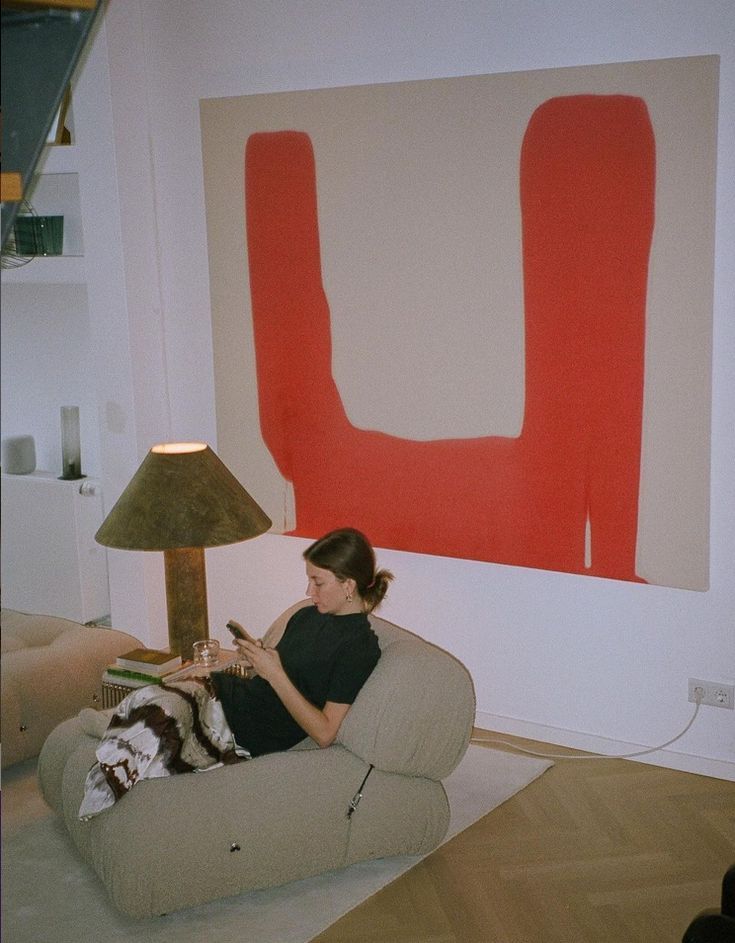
(238, 631)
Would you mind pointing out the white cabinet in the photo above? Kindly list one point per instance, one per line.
(51, 563)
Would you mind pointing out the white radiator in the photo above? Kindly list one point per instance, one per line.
(51, 563)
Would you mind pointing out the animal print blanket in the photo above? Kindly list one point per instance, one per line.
(158, 730)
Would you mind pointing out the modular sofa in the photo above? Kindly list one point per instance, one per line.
(51, 668)
(176, 842)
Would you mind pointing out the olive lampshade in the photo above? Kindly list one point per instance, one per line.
(181, 500)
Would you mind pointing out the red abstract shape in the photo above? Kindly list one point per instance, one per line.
(587, 175)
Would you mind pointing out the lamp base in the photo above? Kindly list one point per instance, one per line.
(186, 598)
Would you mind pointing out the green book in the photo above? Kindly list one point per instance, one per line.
(114, 672)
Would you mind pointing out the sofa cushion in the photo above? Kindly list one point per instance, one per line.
(26, 630)
(414, 714)
(51, 668)
(277, 818)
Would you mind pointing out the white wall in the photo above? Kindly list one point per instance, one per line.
(36, 381)
(586, 662)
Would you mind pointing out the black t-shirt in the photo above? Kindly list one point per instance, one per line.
(327, 657)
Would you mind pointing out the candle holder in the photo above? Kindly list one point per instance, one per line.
(71, 448)
(206, 652)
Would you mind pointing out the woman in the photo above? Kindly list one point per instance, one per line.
(309, 668)
(308, 675)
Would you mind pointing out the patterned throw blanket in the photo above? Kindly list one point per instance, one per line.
(158, 730)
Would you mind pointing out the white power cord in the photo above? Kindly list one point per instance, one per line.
(594, 756)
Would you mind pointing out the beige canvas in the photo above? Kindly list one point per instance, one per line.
(420, 233)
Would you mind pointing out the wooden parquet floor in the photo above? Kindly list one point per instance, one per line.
(605, 851)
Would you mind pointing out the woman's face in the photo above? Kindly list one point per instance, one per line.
(328, 594)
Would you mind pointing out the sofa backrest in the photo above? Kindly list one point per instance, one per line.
(415, 713)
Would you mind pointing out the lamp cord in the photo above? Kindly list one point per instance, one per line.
(593, 756)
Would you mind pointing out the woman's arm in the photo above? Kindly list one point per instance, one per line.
(321, 725)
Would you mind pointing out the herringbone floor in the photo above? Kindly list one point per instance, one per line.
(606, 851)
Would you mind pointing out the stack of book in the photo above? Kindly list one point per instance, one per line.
(142, 666)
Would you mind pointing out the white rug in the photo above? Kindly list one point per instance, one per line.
(49, 894)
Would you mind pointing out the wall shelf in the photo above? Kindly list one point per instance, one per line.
(48, 270)
(55, 192)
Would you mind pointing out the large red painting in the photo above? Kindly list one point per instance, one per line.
(562, 495)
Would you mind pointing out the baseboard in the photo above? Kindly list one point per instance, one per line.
(588, 743)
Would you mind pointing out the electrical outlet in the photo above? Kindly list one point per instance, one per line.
(712, 693)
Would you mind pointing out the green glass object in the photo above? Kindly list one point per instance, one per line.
(39, 235)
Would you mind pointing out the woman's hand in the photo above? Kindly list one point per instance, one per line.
(265, 661)
(322, 725)
(241, 644)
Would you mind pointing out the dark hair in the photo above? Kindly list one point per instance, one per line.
(347, 553)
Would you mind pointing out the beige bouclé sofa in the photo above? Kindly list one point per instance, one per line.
(51, 669)
(177, 842)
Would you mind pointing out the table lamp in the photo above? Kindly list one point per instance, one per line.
(181, 500)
